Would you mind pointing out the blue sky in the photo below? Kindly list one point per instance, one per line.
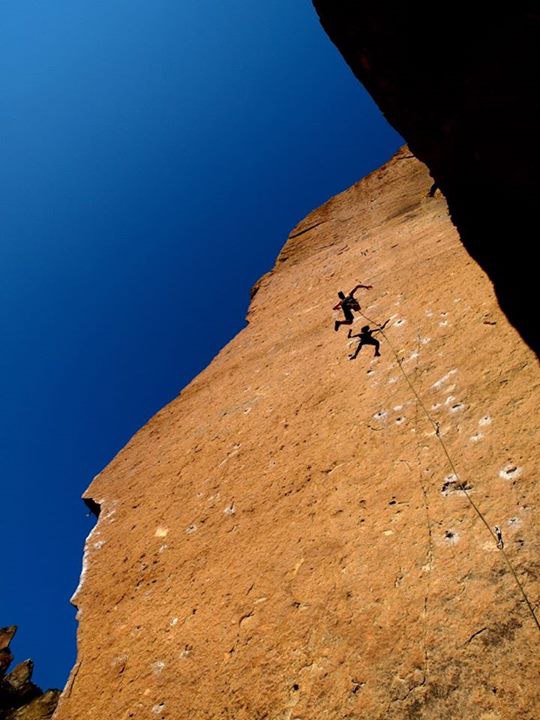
(155, 155)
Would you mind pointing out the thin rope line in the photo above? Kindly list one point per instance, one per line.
(429, 550)
(461, 485)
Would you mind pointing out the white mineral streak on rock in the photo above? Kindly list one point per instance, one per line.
(91, 543)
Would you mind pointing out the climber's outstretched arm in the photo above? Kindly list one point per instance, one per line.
(366, 287)
(381, 328)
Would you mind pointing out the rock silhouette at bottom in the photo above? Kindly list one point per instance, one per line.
(20, 698)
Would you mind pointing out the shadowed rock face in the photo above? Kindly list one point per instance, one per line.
(20, 698)
(286, 539)
(461, 86)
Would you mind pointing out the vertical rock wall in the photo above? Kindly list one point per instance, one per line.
(287, 541)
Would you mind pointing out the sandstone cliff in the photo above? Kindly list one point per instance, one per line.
(461, 86)
(287, 541)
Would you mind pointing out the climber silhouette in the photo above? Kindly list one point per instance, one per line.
(366, 338)
(348, 303)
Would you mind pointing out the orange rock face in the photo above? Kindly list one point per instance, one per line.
(287, 539)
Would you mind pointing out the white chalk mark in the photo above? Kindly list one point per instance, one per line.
(476, 437)
(451, 537)
(510, 472)
(438, 385)
(514, 522)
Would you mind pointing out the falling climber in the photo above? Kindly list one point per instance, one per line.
(348, 304)
(366, 338)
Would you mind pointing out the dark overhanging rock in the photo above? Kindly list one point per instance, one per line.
(93, 507)
(460, 86)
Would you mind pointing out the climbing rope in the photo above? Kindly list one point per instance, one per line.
(461, 485)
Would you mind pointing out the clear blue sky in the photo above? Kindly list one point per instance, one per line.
(155, 155)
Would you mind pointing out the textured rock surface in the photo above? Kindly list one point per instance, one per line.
(461, 86)
(20, 698)
(285, 541)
